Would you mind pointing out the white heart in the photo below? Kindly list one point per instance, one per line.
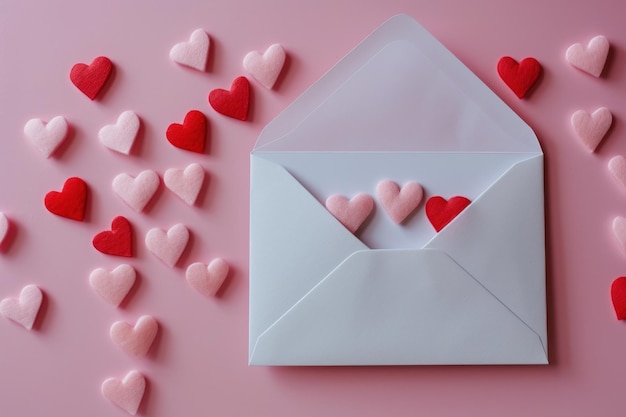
(121, 136)
(136, 192)
(193, 53)
(114, 285)
(46, 138)
(168, 247)
(23, 310)
(185, 184)
(265, 68)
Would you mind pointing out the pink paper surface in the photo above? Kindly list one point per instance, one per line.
(198, 364)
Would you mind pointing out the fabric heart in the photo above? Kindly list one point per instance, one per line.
(233, 103)
(46, 138)
(121, 136)
(136, 192)
(617, 167)
(207, 280)
(619, 231)
(169, 246)
(70, 202)
(351, 213)
(91, 78)
(265, 68)
(4, 227)
(591, 128)
(24, 309)
(618, 296)
(398, 202)
(441, 212)
(590, 59)
(519, 77)
(114, 285)
(126, 394)
(194, 53)
(185, 184)
(189, 136)
(135, 339)
(117, 241)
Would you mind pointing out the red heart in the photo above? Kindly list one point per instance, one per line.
(618, 296)
(519, 77)
(118, 241)
(233, 103)
(70, 202)
(191, 134)
(91, 78)
(441, 212)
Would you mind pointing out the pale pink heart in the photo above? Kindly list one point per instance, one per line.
(617, 167)
(121, 136)
(135, 339)
(4, 227)
(351, 213)
(590, 59)
(23, 310)
(207, 280)
(619, 230)
(591, 128)
(169, 246)
(185, 184)
(265, 68)
(46, 138)
(138, 191)
(114, 285)
(194, 53)
(398, 202)
(127, 393)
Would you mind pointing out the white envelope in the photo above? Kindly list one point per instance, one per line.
(400, 106)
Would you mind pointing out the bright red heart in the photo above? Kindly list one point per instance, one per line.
(117, 241)
(233, 103)
(441, 212)
(191, 134)
(618, 296)
(519, 77)
(91, 78)
(70, 202)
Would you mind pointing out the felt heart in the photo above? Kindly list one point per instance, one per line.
(127, 393)
(618, 296)
(46, 138)
(194, 53)
(617, 167)
(207, 280)
(590, 59)
(70, 202)
(135, 339)
(233, 103)
(138, 191)
(91, 78)
(4, 227)
(24, 309)
(591, 128)
(169, 246)
(191, 134)
(121, 136)
(114, 285)
(619, 230)
(441, 212)
(519, 77)
(185, 184)
(117, 241)
(399, 202)
(265, 68)
(351, 213)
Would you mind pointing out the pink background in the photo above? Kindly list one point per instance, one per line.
(198, 365)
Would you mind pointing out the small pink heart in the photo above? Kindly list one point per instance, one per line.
(24, 309)
(619, 230)
(114, 285)
(351, 213)
(617, 167)
(121, 136)
(4, 227)
(169, 246)
(138, 191)
(194, 53)
(590, 59)
(399, 202)
(591, 128)
(185, 184)
(127, 393)
(207, 280)
(135, 339)
(265, 68)
(46, 138)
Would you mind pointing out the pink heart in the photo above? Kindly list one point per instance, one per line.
(619, 230)
(136, 192)
(591, 128)
(194, 53)
(617, 167)
(590, 59)
(126, 394)
(24, 309)
(351, 213)
(207, 280)
(168, 247)
(185, 184)
(135, 339)
(121, 136)
(4, 227)
(46, 138)
(114, 285)
(399, 202)
(265, 68)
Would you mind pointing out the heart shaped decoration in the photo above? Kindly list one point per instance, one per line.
(617, 167)
(265, 68)
(24, 309)
(114, 285)
(591, 128)
(168, 247)
(618, 296)
(590, 59)
(519, 77)
(90, 79)
(121, 136)
(185, 184)
(619, 231)
(5, 226)
(136, 192)
(136, 339)
(441, 212)
(46, 138)
(194, 53)
(398, 202)
(127, 393)
(233, 103)
(117, 241)
(351, 213)
(207, 280)
(70, 202)
(191, 135)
